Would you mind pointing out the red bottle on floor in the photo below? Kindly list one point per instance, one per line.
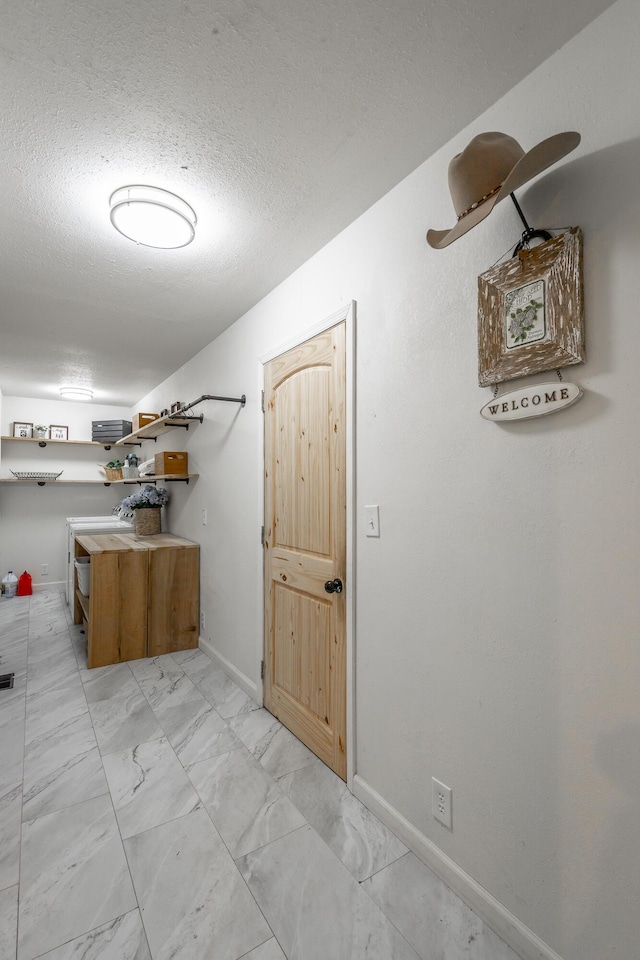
(24, 585)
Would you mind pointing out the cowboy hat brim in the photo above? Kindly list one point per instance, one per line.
(543, 155)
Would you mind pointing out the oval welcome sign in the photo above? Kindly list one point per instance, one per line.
(529, 402)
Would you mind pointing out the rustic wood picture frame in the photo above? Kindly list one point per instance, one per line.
(531, 311)
(58, 432)
(23, 430)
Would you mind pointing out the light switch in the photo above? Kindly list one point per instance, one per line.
(372, 520)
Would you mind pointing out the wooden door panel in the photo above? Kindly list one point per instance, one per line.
(319, 738)
(302, 654)
(302, 493)
(302, 571)
(305, 543)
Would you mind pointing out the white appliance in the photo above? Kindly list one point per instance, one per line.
(76, 526)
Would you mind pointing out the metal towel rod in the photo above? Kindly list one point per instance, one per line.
(206, 396)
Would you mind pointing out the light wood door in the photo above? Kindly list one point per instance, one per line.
(305, 544)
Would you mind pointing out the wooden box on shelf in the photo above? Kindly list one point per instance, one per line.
(171, 462)
(143, 420)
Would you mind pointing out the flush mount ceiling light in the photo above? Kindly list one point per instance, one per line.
(152, 217)
(76, 393)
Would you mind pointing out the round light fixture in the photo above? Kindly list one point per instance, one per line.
(152, 217)
(76, 393)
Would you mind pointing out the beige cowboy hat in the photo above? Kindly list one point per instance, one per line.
(489, 168)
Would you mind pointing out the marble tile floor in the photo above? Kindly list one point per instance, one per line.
(152, 811)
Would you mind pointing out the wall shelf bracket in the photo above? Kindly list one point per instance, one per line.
(185, 425)
(153, 479)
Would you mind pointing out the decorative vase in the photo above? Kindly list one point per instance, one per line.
(147, 521)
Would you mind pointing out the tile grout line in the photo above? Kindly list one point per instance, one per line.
(202, 806)
(208, 814)
(24, 753)
(70, 627)
(115, 816)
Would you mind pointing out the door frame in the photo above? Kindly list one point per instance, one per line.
(346, 314)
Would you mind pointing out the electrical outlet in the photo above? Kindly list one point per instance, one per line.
(441, 803)
(202, 627)
(44, 569)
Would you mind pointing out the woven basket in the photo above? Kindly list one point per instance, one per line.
(147, 521)
(113, 473)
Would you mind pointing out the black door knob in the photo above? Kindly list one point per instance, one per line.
(333, 586)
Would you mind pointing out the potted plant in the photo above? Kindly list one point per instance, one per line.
(113, 470)
(146, 504)
(41, 430)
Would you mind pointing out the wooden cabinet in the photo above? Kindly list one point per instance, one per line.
(143, 596)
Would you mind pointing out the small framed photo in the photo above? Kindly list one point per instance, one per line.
(56, 432)
(23, 430)
(530, 311)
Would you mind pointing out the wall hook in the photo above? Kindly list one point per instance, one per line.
(529, 233)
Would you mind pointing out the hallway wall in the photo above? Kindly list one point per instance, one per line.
(497, 615)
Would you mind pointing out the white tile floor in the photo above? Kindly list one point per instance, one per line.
(152, 810)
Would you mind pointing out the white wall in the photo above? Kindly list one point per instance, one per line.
(31, 517)
(497, 616)
(224, 450)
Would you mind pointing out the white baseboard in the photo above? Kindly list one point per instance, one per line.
(54, 585)
(249, 687)
(514, 933)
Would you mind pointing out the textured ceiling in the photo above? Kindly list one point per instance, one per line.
(279, 122)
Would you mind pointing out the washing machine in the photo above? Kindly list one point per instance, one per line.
(77, 526)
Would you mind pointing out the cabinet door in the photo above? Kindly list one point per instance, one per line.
(118, 608)
(174, 585)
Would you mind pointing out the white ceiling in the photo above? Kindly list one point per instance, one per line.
(279, 122)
